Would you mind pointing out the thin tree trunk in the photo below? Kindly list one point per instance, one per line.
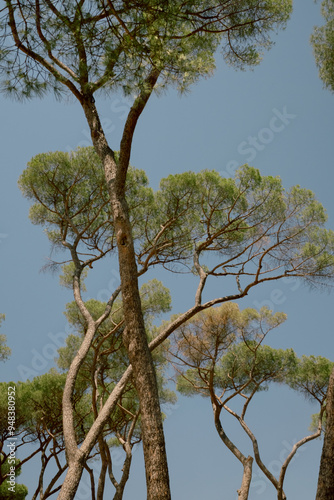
(104, 467)
(120, 486)
(73, 476)
(325, 490)
(246, 479)
(247, 462)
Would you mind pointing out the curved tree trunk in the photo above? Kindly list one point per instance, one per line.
(247, 462)
(78, 458)
(325, 490)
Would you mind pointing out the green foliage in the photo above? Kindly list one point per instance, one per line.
(322, 40)
(221, 348)
(43, 397)
(20, 490)
(21, 411)
(314, 425)
(251, 367)
(5, 351)
(38, 407)
(66, 279)
(39, 420)
(311, 376)
(155, 300)
(71, 200)
(108, 46)
(243, 221)
(107, 358)
(245, 226)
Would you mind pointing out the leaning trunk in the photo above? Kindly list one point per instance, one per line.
(247, 462)
(135, 339)
(325, 489)
(79, 456)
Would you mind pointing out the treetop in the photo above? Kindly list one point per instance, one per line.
(90, 46)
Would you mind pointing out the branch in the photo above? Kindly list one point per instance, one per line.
(292, 453)
(92, 480)
(258, 460)
(247, 462)
(130, 125)
(48, 492)
(36, 57)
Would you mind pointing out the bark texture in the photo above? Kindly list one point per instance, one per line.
(246, 479)
(134, 338)
(325, 490)
(71, 482)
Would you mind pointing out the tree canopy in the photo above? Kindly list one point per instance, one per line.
(322, 40)
(86, 47)
(5, 351)
(220, 355)
(90, 46)
(248, 227)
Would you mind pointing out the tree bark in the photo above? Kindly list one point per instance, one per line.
(325, 490)
(104, 468)
(246, 479)
(134, 337)
(71, 481)
(247, 462)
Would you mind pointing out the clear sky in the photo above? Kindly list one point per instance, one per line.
(224, 122)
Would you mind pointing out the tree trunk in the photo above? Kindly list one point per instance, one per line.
(78, 457)
(134, 337)
(246, 479)
(135, 341)
(120, 487)
(71, 482)
(247, 462)
(103, 472)
(325, 490)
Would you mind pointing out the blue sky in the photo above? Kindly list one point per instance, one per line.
(279, 119)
